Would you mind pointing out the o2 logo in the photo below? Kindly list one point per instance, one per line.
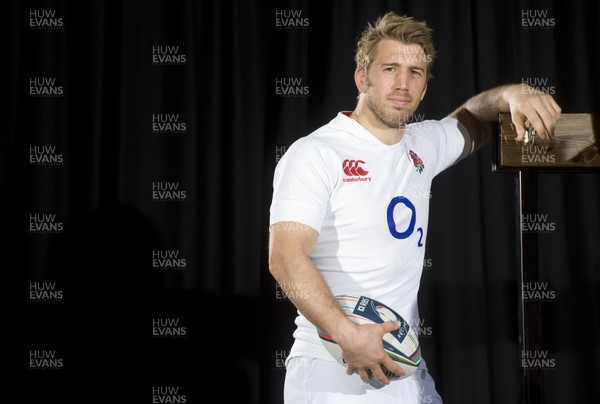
(401, 235)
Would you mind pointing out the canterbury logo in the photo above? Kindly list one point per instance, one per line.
(352, 168)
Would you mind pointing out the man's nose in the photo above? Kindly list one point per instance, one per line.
(401, 80)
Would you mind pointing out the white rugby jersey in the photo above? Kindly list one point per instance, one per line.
(370, 203)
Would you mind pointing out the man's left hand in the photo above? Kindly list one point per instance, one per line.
(530, 105)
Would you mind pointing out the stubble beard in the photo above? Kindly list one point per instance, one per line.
(397, 119)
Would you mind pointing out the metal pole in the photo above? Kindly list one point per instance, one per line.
(530, 320)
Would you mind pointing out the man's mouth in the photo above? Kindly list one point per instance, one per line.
(399, 101)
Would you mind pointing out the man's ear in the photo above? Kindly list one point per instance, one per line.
(423, 93)
(360, 79)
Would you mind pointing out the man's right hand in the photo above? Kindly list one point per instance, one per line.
(363, 351)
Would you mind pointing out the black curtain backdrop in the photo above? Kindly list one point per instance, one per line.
(139, 140)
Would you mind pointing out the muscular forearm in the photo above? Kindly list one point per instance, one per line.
(303, 284)
(524, 103)
(485, 106)
(477, 115)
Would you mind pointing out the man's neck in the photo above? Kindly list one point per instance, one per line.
(382, 132)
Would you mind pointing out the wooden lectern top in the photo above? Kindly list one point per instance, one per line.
(576, 146)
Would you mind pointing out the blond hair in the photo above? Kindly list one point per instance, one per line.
(399, 28)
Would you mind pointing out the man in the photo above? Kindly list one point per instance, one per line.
(346, 217)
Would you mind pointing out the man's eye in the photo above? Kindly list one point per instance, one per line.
(416, 73)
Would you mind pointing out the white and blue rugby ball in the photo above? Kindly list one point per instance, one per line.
(402, 345)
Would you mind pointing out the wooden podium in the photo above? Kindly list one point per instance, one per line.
(575, 148)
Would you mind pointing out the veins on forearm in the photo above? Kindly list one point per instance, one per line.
(486, 106)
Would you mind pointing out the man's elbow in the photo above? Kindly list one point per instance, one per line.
(289, 250)
(278, 261)
(275, 264)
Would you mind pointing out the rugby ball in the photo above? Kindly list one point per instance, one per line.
(402, 345)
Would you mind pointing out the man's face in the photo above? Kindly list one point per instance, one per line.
(396, 82)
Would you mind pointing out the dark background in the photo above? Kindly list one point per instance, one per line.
(238, 325)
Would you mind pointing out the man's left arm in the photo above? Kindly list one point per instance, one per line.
(525, 104)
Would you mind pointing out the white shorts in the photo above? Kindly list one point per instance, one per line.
(317, 381)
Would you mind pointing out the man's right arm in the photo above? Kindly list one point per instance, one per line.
(290, 264)
(290, 245)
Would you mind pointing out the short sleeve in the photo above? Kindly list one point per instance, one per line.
(448, 139)
(302, 185)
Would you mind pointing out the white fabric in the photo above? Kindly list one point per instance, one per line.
(316, 381)
(370, 203)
